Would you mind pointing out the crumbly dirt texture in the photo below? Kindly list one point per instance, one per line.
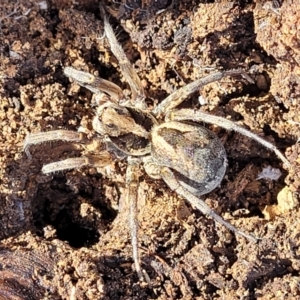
(65, 235)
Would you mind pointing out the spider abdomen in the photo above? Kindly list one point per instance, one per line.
(194, 153)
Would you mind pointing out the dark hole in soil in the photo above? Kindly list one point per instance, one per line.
(75, 234)
(60, 207)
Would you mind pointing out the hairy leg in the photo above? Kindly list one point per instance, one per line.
(180, 95)
(95, 84)
(168, 176)
(127, 69)
(50, 136)
(100, 160)
(132, 182)
(155, 171)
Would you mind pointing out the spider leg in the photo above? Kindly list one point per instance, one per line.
(180, 95)
(94, 84)
(100, 160)
(190, 114)
(49, 136)
(156, 171)
(127, 69)
(132, 181)
(169, 177)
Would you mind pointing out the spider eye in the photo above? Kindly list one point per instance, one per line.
(111, 125)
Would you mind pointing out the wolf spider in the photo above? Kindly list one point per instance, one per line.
(169, 143)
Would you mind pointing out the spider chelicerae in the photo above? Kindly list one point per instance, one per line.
(169, 143)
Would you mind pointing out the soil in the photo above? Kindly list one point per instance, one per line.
(66, 236)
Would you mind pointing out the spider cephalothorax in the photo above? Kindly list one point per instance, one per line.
(169, 143)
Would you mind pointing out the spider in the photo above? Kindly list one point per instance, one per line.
(169, 143)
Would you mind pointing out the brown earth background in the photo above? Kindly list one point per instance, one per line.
(63, 236)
